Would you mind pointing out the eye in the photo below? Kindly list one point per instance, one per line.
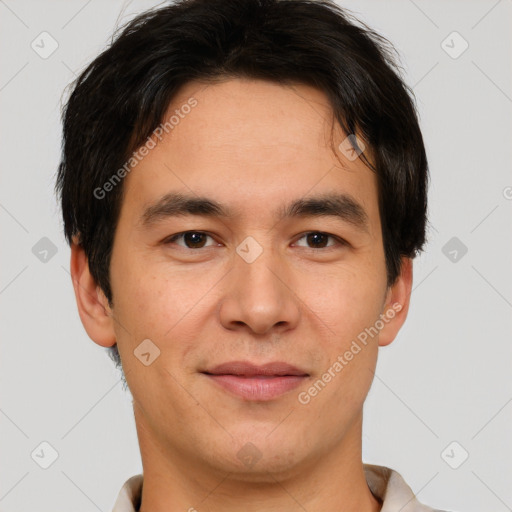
(320, 239)
(197, 240)
(191, 239)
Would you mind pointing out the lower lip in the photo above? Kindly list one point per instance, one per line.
(258, 388)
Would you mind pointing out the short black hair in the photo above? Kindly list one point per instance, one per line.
(123, 95)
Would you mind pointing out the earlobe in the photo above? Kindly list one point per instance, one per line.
(397, 304)
(93, 308)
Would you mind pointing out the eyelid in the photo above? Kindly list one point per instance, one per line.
(172, 238)
(340, 241)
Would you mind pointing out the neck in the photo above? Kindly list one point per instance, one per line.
(333, 481)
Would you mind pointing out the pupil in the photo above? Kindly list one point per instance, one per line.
(313, 238)
(193, 238)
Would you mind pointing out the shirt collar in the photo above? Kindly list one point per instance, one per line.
(386, 484)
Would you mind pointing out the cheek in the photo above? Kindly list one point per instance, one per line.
(347, 300)
(141, 299)
(149, 305)
(351, 308)
(160, 305)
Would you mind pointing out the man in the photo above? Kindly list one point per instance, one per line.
(243, 186)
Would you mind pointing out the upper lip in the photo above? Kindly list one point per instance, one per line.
(249, 369)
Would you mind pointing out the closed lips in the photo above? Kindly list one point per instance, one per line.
(247, 369)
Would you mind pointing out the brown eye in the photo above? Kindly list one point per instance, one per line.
(320, 240)
(191, 239)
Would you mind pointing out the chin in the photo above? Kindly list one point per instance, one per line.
(262, 457)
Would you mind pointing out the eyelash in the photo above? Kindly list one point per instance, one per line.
(340, 241)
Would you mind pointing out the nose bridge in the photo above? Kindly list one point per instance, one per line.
(261, 276)
(259, 295)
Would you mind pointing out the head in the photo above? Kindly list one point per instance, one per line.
(281, 138)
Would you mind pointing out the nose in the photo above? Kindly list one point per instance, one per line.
(260, 296)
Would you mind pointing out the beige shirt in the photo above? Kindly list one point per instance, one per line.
(386, 484)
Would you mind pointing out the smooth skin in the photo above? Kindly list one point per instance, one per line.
(253, 146)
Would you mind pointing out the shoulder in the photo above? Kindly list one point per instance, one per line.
(128, 498)
(391, 489)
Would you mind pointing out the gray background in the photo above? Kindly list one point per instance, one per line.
(445, 378)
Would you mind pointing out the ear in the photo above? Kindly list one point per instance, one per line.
(95, 313)
(396, 305)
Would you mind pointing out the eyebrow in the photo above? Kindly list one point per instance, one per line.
(342, 206)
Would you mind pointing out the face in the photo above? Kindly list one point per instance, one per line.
(255, 311)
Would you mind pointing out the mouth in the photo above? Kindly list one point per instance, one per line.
(256, 383)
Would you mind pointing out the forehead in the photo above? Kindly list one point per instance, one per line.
(248, 143)
(251, 118)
